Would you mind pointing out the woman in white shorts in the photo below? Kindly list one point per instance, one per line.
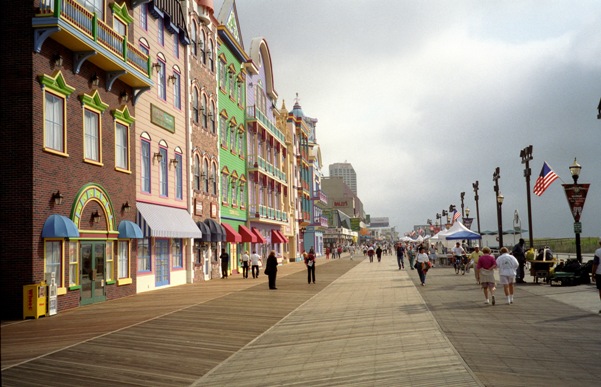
(508, 266)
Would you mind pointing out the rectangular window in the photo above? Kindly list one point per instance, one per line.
(121, 146)
(232, 85)
(161, 81)
(119, 27)
(144, 255)
(109, 262)
(179, 189)
(176, 253)
(176, 45)
(145, 49)
(161, 32)
(233, 139)
(177, 92)
(94, 6)
(92, 135)
(163, 176)
(223, 131)
(54, 128)
(145, 170)
(73, 264)
(123, 258)
(144, 17)
(54, 255)
(234, 193)
(222, 75)
(225, 189)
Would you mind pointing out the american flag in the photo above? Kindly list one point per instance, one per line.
(546, 177)
(456, 216)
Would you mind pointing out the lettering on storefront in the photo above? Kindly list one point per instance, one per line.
(341, 204)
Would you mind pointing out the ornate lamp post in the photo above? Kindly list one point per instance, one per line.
(445, 213)
(576, 195)
(476, 197)
(499, 198)
(526, 155)
(467, 221)
(462, 195)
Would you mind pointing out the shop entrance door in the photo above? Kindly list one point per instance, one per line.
(92, 271)
(161, 256)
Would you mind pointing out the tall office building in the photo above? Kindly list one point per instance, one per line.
(347, 172)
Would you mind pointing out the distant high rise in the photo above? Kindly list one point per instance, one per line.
(347, 172)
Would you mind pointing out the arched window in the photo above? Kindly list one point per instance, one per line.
(214, 177)
(195, 113)
(196, 173)
(193, 39)
(205, 111)
(212, 116)
(203, 47)
(211, 56)
(205, 174)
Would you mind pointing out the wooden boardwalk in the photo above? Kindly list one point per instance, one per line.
(362, 324)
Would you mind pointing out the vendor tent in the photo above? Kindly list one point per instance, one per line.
(459, 231)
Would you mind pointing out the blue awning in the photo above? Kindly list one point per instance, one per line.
(58, 226)
(206, 232)
(129, 230)
(217, 230)
(166, 222)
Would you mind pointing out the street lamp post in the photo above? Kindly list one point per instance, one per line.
(499, 198)
(462, 197)
(526, 155)
(576, 195)
(476, 197)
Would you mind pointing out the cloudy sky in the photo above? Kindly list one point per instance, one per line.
(423, 98)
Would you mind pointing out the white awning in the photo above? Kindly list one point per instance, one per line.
(166, 222)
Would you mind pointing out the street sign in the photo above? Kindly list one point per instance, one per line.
(576, 195)
(577, 228)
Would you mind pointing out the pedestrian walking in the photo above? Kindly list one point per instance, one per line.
(379, 253)
(310, 263)
(370, 253)
(422, 264)
(245, 264)
(255, 261)
(339, 252)
(519, 252)
(327, 253)
(225, 263)
(508, 266)
(271, 269)
(597, 269)
(400, 256)
(411, 255)
(432, 254)
(486, 266)
(474, 256)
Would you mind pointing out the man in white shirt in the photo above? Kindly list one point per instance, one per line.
(508, 266)
(245, 263)
(255, 259)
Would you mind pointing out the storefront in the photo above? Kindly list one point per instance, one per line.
(164, 254)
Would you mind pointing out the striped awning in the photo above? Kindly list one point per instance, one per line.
(166, 222)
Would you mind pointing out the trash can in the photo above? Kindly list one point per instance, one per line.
(34, 300)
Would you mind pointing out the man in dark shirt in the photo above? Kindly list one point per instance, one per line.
(520, 254)
(225, 263)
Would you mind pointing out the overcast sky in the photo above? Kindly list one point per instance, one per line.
(423, 98)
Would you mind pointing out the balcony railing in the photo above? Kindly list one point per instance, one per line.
(253, 113)
(257, 162)
(318, 195)
(267, 213)
(77, 25)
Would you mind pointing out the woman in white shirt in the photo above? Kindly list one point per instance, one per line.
(422, 265)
